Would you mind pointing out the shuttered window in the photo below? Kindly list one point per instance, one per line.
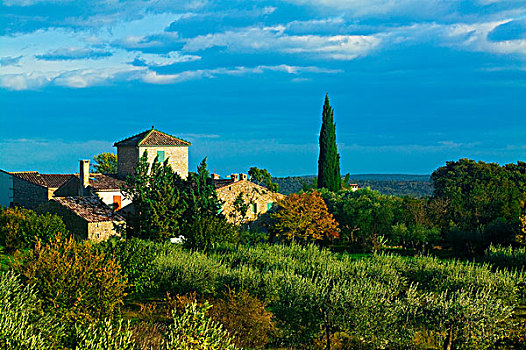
(160, 156)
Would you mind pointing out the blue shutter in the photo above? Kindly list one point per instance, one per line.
(160, 156)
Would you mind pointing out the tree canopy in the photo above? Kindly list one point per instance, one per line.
(105, 163)
(329, 160)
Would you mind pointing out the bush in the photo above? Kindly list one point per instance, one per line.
(75, 283)
(135, 257)
(208, 232)
(506, 257)
(244, 317)
(179, 272)
(194, 330)
(105, 335)
(21, 228)
(22, 324)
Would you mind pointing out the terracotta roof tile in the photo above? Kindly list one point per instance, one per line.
(55, 180)
(152, 137)
(92, 209)
(101, 182)
(44, 180)
(218, 183)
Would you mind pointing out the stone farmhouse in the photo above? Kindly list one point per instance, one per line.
(259, 199)
(90, 202)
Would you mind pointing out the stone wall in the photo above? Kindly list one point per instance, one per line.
(177, 157)
(101, 231)
(260, 200)
(127, 157)
(28, 195)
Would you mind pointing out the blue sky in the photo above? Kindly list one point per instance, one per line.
(414, 83)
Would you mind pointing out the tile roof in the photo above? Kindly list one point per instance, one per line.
(218, 183)
(92, 209)
(101, 182)
(44, 180)
(152, 137)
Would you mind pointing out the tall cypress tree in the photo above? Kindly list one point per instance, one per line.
(329, 160)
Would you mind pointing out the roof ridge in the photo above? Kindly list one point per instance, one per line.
(160, 132)
(130, 137)
(24, 172)
(145, 136)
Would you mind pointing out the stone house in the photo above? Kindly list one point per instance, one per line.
(258, 198)
(106, 187)
(157, 144)
(86, 217)
(28, 189)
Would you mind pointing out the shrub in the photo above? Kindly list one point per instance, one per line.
(21, 228)
(105, 335)
(244, 317)
(179, 272)
(506, 257)
(208, 232)
(22, 325)
(75, 283)
(135, 257)
(193, 329)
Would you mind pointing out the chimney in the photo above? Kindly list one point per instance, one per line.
(214, 176)
(242, 176)
(84, 178)
(234, 177)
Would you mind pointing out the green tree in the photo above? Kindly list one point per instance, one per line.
(200, 196)
(155, 190)
(262, 177)
(478, 193)
(329, 161)
(105, 163)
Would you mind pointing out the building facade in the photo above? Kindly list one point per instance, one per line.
(158, 145)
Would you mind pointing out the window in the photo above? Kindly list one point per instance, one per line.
(160, 156)
(269, 206)
(116, 202)
(254, 208)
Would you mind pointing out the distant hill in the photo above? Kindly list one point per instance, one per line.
(390, 184)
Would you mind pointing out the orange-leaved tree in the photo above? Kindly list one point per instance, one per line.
(304, 217)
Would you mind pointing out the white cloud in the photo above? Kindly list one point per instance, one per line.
(83, 78)
(154, 60)
(265, 39)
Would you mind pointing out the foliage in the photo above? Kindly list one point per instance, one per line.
(200, 197)
(329, 160)
(506, 257)
(105, 335)
(21, 228)
(155, 190)
(168, 206)
(75, 283)
(22, 324)
(469, 319)
(244, 317)
(208, 232)
(105, 163)
(392, 185)
(194, 330)
(304, 217)
(363, 215)
(478, 193)
(179, 272)
(262, 177)
(135, 256)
